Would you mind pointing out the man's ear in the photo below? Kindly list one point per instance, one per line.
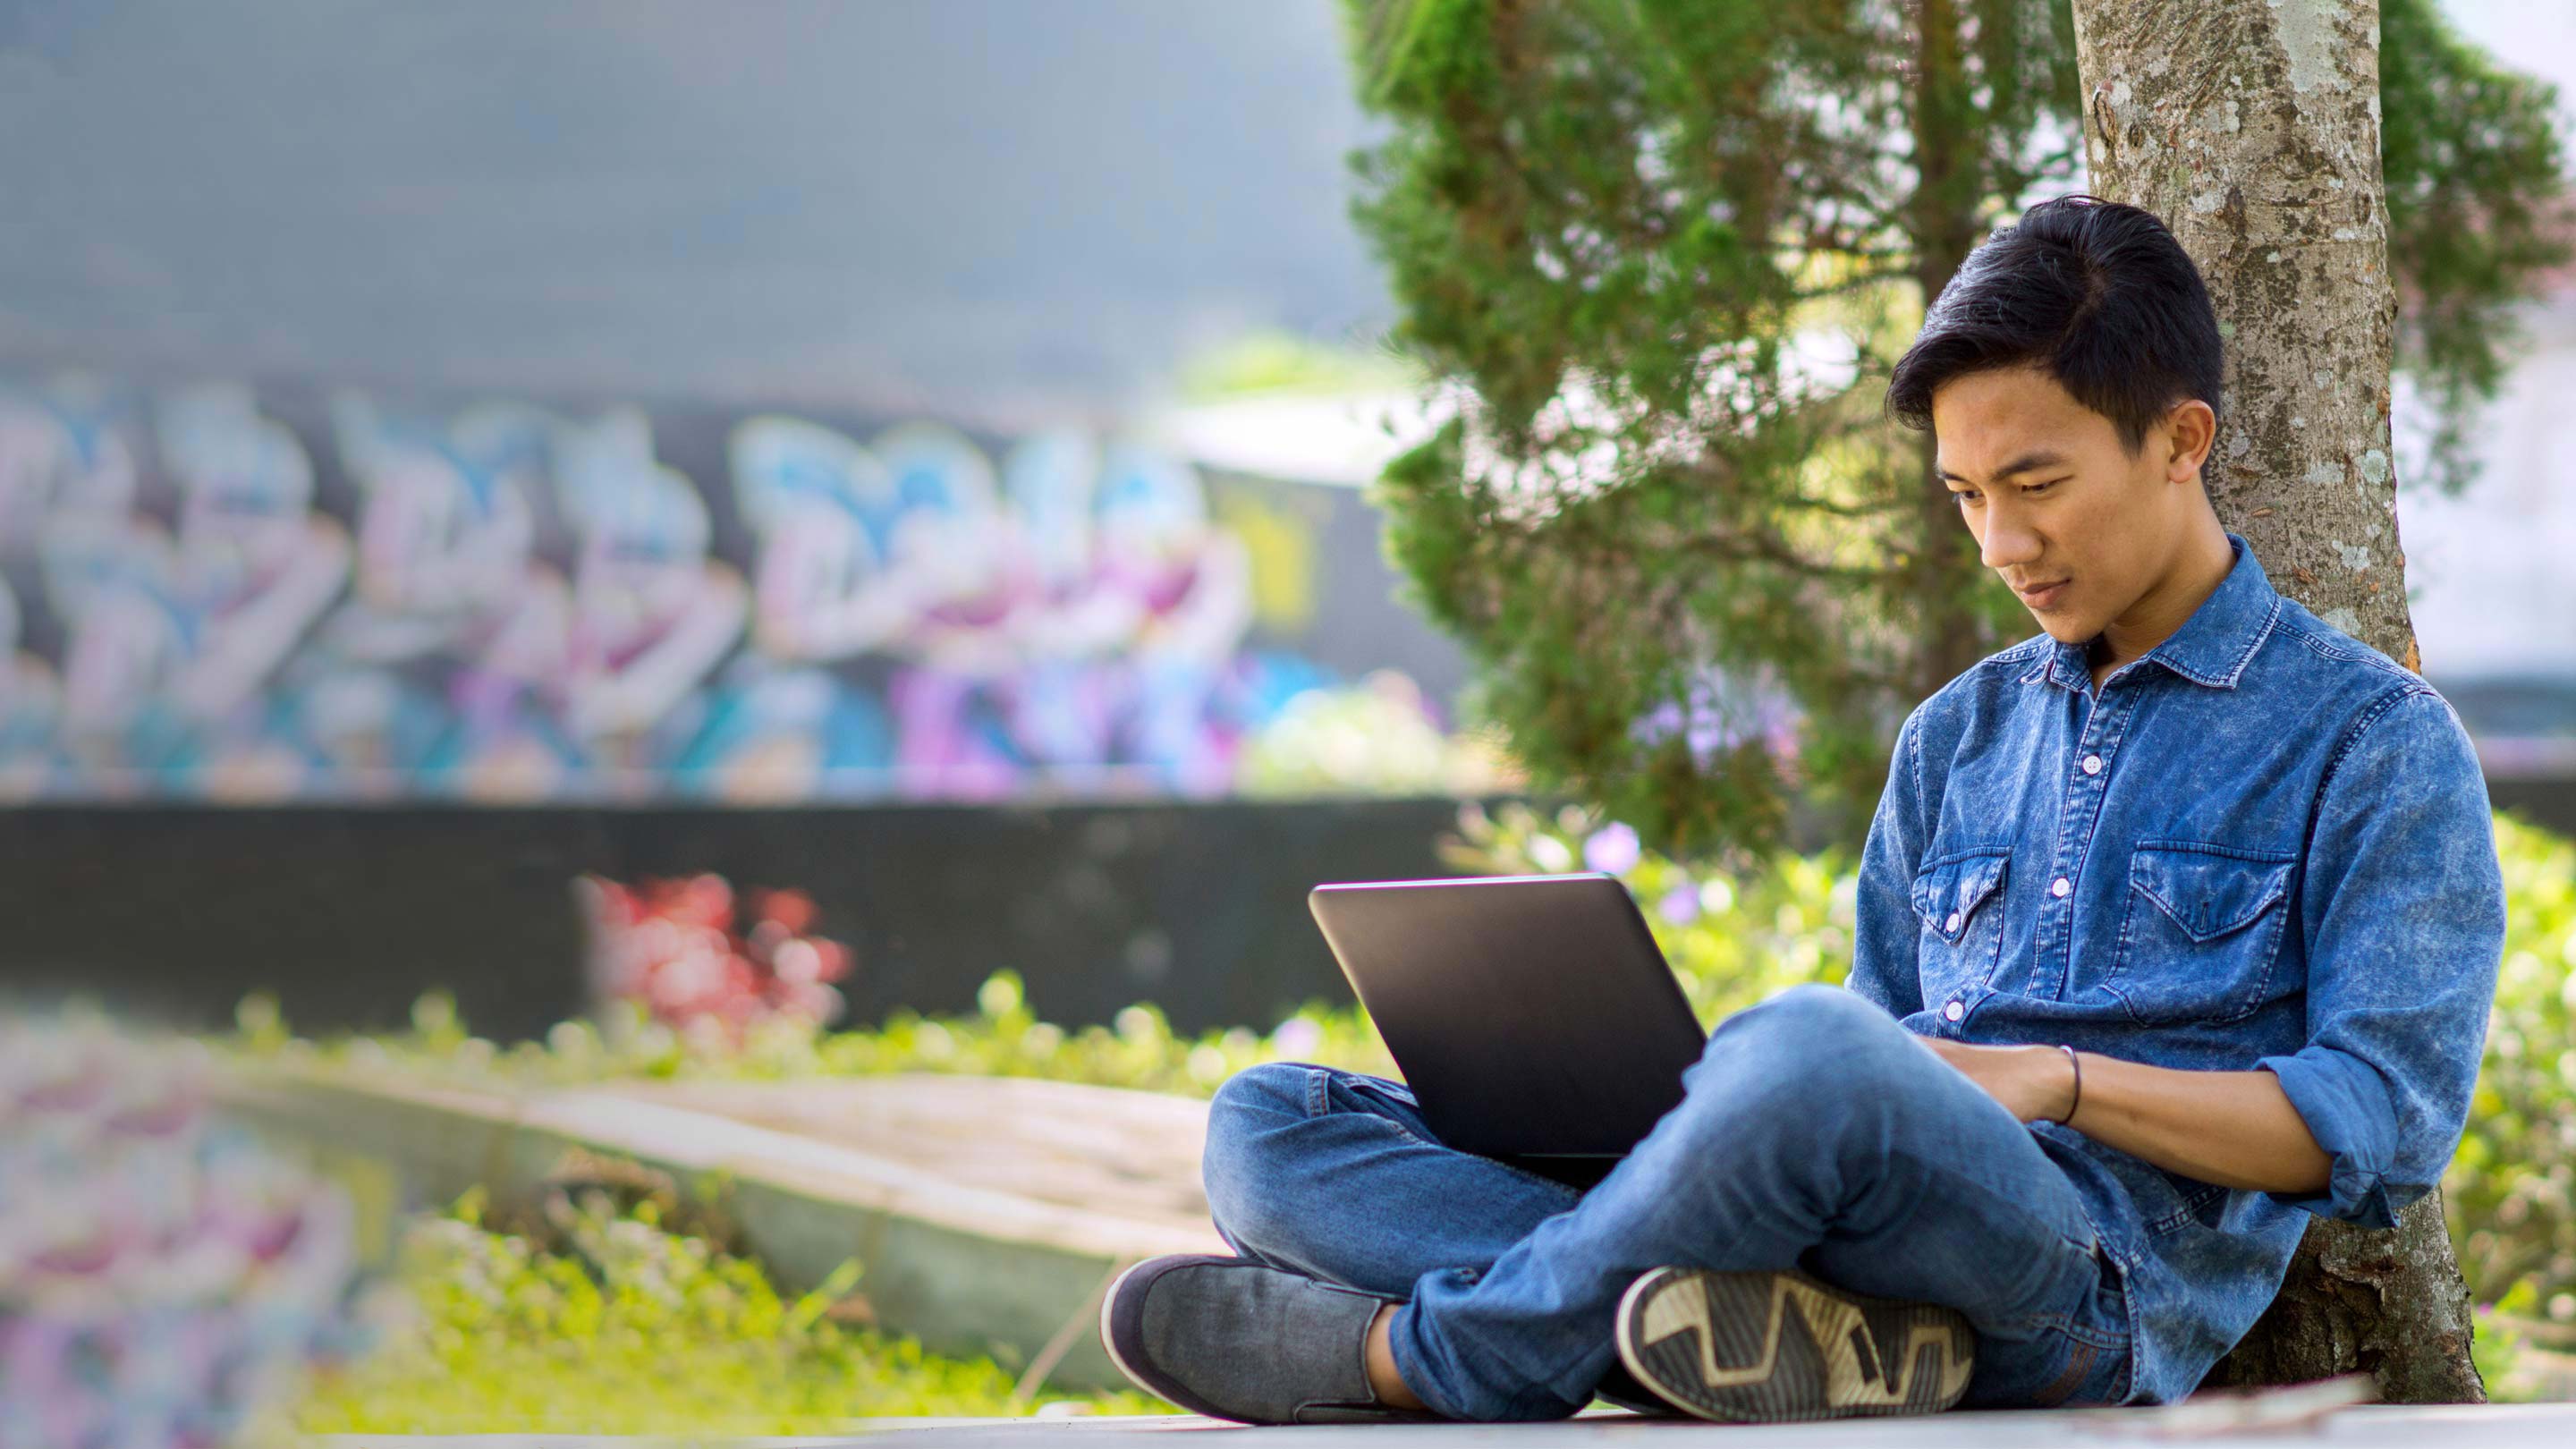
(2189, 430)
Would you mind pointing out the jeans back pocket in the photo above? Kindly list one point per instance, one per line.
(2202, 932)
(1957, 896)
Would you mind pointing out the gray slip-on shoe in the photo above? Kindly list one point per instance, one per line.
(1235, 1339)
(1770, 1347)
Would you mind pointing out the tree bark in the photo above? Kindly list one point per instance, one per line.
(2252, 128)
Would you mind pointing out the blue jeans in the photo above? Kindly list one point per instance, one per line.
(1814, 1132)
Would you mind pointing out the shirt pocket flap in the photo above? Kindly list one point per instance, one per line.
(1948, 892)
(2206, 891)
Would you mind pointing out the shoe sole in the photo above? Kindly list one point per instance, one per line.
(1780, 1347)
(1108, 1339)
(1109, 1336)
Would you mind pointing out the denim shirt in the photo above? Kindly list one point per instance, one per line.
(2261, 845)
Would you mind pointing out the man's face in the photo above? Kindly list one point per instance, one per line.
(2075, 523)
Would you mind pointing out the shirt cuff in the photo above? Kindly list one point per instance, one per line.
(2348, 1111)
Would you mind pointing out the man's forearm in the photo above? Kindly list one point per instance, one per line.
(2236, 1129)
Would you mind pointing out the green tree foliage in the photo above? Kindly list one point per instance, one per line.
(2475, 212)
(1659, 255)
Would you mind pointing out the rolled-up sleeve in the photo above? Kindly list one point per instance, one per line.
(1885, 931)
(2403, 915)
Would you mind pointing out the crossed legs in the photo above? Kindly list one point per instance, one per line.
(1814, 1133)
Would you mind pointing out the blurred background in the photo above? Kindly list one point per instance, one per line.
(589, 414)
(900, 451)
(715, 554)
(855, 408)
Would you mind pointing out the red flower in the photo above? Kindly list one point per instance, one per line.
(670, 944)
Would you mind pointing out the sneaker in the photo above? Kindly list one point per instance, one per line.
(1768, 1347)
(1232, 1338)
(1620, 1388)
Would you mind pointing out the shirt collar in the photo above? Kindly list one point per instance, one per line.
(2212, 646)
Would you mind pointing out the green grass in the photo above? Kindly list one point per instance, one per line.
(601, 1320)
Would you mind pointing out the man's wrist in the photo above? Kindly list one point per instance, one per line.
(2069, 1076)
(2044, 1087)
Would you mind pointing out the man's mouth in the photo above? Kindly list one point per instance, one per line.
(2040, 596)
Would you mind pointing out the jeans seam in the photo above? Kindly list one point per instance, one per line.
(1324, 1106)
(2053, 1321)
(2079, 1363)
(1319, 1103)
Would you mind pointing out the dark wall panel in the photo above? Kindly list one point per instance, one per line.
(349, 914)
(2549, 803)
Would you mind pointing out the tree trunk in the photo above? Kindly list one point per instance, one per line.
(2252, 128)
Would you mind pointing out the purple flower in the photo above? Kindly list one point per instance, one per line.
(1680, 905)
(1297, 1036)
(1612, 849)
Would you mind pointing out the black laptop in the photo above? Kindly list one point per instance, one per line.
(1533, 1016)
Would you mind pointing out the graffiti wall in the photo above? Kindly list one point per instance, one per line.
(205, 594)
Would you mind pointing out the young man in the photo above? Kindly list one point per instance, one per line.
(2177, 925)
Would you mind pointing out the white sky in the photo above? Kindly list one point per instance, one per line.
(2538, 36)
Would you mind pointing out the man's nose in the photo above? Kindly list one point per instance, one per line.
(2009, 541)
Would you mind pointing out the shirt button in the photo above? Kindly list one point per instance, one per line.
(2060, 886)
(1951, 924)
(1953, 1012)
(2092, 764)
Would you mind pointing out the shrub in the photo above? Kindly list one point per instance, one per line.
(2512, 1189)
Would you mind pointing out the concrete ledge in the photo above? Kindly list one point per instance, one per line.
(2498, 1426)
(968, 1267)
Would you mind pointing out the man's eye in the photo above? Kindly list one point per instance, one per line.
(1967, 495)
(2038, 488)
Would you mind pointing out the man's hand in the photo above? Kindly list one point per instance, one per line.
(2035, 1083)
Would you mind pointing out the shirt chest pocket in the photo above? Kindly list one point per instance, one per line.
(2202, 931)
(1958, 897)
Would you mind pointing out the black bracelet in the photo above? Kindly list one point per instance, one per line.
(2076, 1100)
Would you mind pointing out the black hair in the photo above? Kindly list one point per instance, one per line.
(2096, 293)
